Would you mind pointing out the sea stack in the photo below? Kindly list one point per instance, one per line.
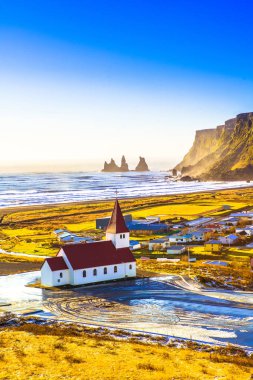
(142, 165)
(124, 165)
(111, 167)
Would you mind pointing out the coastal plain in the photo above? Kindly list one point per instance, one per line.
(27, 236)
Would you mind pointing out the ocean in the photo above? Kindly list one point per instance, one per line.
(49, 188)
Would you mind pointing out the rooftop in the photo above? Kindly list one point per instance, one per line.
(96, 254)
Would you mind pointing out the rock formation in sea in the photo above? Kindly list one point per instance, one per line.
(142, 165)
(113, 167)
(124, 165)
(223, 153)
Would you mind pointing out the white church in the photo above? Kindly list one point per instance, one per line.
(86, 263)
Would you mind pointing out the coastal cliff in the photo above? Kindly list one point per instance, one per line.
(223, 153)
(113, 167)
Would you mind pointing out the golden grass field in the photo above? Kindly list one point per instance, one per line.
(238, 275)
(49, 352)
(29, 229)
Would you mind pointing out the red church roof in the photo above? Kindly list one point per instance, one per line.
(56, 263)
(117, 223)
(102, 253)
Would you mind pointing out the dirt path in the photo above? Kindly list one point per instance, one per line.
(18, 267)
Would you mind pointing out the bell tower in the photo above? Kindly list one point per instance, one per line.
(117, 230)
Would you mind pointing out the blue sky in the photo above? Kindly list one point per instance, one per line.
(82, 81)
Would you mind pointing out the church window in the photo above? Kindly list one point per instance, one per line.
(105, 270)
(61, 275)
(84, 273)
(120, 236)
(123, 236)
(130, 266)
(115, 269)
(94, 272)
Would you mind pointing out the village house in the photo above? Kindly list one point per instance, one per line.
(198, 236)
(213, 246)
(134, 244)
(176, 249)
(229, 239)
(107, 260)
(162, 243)
(187, 238)
(247, 229)
(198, 222)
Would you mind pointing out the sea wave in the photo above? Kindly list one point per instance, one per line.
(50, 188)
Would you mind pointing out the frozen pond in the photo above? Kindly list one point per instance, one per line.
(151, 305)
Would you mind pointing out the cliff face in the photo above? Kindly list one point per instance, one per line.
(223, 153)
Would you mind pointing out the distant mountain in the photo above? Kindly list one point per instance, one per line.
(113, 167)
(223, 153)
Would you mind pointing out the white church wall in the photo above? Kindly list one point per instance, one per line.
(46, 275)
(130, 269)
(100, 276)
(61, 277)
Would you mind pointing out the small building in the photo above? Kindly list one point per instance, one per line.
(178, 226)
(213, 246)
(198, 222)
(142, 225)
(163, 243)
(65, 236)
(134, 244)
(247, 229)
(214, 227)
(198, 236)
(229, 239)
(176, 249)
(187, 238)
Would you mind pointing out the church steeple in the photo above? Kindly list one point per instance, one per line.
(117, 222)
(117, 230)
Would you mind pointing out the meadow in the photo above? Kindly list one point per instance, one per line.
(73, 352)
(30, 229)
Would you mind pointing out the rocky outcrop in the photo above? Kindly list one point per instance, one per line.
(113, 167)
(124, 165)
(223, 153)
(142, 165)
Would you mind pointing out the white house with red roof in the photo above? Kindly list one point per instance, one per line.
(86, 263)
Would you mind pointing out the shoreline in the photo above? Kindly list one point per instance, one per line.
(11, 209)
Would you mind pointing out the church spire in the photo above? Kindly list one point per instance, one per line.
(117, 223)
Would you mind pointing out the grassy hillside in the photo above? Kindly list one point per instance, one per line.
(51, 352)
